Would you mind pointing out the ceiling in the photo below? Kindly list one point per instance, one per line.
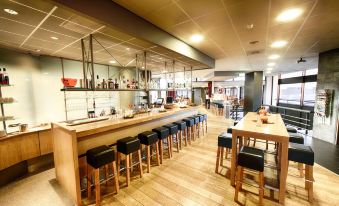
(223, 23)
(37, 21)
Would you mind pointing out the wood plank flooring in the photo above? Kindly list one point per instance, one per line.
(186, 179)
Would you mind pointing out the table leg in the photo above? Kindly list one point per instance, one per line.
(283, 171)
(234, 157)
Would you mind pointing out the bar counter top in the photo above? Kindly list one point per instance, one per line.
(29, 131)
(91, 128)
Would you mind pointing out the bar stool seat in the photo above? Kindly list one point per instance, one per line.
(296, 138)
(173, 130)
(229, 130)
(163, 133)
(189, 122)
(251, 158)
(148, 139)
(182, 130)
(225, 140)
(303, 155)
(98, 157)
(128, 146)
(291, 129)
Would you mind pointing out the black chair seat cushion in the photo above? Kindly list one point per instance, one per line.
(128, 145)
(225, 140)
(296, 138)
(301, 153)
(189, 122)
(100, 156)
(291, 129)
(220, 106)
(229, 130)
(252, 158)
(196, 119)
(181, 125)
(173, 129)
(148, 138)
(201, 117)
(162, 132)
(205, 117)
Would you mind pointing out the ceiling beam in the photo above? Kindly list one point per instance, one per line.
(121, 19)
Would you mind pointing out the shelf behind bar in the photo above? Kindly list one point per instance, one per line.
(69, 89)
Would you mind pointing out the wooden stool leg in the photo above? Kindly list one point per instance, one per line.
(127, 161)
(131, 161)
(140, 162)
(177, 139)
(238, 183)
(180, 139)
(169, 146)
(222, 157)
(254, 142)
(193, 132)
(226, 153)
(217, 160)
(301, 169)
(157, 150)
(106, 174)
(309, 183)
(97, 186)
(185, 134)
(89, 181)
(198, 126)
(115, 177)
(148, 148)
(161, 148)
(206, 125)
(118, 164)
(261, 187)
(188, 132)
(266, 144)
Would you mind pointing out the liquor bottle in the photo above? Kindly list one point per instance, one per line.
(128, 85)
(5, 77)
(1, 77)
(116, 85)
(104, 84)
(110, 84)
(98, 83)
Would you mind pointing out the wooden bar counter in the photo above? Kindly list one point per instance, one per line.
(70, 142)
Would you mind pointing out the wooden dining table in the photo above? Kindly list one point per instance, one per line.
(274, 130)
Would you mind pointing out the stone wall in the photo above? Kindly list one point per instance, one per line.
(328, 78)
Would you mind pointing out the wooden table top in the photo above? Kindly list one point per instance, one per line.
(110, 124)
(274, 127)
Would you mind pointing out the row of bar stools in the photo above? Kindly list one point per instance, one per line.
(196, 122)
(96, 158)
(148, 139)
(304, 154)
(251, 158)
(182, 132)
(128, 146)
(224, 141)
(163, 133)
(173, 134)
(190, 126)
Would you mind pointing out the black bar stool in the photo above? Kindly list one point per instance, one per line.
(148, 139)
(205, 122)
(224, 141)
(96, 158)
(173, 131)
(296, 138)
(128, 146)
(196, 122)
(189, 124)
(304, 154)
(163, 133)
(182, 130)
(251, 158)
(199, 125)
(291, 129)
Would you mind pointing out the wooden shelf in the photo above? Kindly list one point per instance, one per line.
(71, 89)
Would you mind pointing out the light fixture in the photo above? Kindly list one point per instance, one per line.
(269, 69)
(54, 38)
(289, 15)
(249, 26)
(127, 48)
(142, 67)
(38, 50)
(164, 71)
(268, 72)
(196, 38)
(271, 64)
(112, 62)
(279, 44)
(10, 11)
(241, 74)
(274, 56)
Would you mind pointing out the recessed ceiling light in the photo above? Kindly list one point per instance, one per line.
(112, 62)
(274, 56)
(196, 38)
(54, 38)
(278, 44)
(271, 64)
(269, 69)
(249, 26)
(142, 67)
(164, 71)
(127, 48)
(10, 11)
(38, 50)
(268, 72)
(289, 15)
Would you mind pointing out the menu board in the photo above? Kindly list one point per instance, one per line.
(324, 104)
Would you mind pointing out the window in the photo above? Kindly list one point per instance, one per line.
(309, 93)
(292, 74)
(311, 72)
(290, 93)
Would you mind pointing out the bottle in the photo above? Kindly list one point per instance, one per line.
(98, 83)
(1, 77)
(104, 84)
(110, 84)
(5, 77)
(128, 85)
(116, 85)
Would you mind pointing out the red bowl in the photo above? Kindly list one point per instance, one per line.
(69, 82)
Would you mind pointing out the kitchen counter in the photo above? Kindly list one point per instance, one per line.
(29, 131)
(70, 143)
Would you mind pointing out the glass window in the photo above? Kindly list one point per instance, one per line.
(311, 71)
(309, 93)
(275, 90)
(292, 74)
(290, 93)
(239, 79)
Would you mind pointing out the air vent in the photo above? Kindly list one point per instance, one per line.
(254, 52)
(253, 42)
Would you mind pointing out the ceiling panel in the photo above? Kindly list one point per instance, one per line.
(15, 27)
(195, 8)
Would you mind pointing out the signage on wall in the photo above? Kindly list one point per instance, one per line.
(324, 105)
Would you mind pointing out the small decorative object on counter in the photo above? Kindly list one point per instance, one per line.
(263, 111)
(69, 82)
(113, 111)
(91, 114)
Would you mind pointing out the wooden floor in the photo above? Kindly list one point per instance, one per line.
(187, 179)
